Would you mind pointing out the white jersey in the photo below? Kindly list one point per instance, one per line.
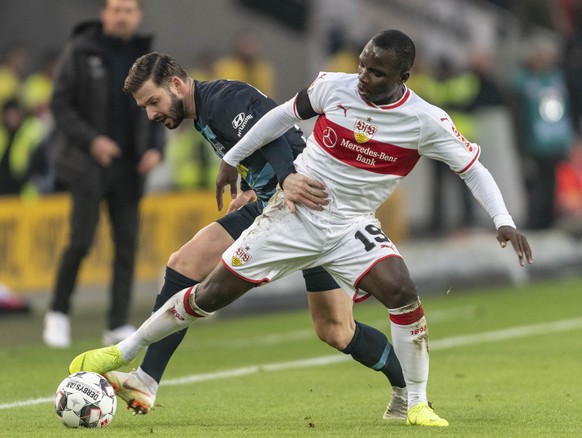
(361, 151)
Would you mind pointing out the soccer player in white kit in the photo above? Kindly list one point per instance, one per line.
(370, 132)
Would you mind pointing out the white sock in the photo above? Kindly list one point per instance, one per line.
(410, 339)
(178, 312)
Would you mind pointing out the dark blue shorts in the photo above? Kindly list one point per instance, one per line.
(316, 279)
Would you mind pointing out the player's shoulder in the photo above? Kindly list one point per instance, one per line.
(432, 120)
(220, 88)
(422, 108)
(226, 96)
(331, 86)
(326, 77)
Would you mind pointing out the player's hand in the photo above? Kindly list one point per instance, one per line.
(104, 150)
(227, 176)
(518, 241)
(243, 198)
(149, 161)
(304, 190)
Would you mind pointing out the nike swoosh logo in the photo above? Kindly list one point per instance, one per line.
(131, 388)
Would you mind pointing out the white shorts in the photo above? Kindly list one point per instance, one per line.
(279, 243)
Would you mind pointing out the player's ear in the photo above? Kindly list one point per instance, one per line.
(177, 84)
(404, 76)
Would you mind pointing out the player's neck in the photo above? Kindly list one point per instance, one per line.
(189, 103)
(395, 97)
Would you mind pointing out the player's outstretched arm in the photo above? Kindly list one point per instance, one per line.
(304, 190)
(518, 241)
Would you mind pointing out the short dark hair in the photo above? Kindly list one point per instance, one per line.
(401, 44)
(156, 66)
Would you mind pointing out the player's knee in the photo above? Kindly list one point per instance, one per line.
(335, 340)
(400, 291)
(179, 262)
(335, 335)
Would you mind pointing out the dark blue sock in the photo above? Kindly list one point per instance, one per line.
(159, 353)
(371, 348)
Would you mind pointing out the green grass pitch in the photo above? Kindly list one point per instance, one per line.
(505, 362)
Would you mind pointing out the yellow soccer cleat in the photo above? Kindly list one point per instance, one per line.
(98, 361)
(422, 415)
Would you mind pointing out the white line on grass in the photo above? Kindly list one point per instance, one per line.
(439, 344)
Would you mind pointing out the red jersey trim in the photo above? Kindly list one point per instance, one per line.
(264, 280)
(355, 298)
(472, 161)
(396, 104)
(295, 108)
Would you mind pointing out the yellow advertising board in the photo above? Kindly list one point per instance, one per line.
(34, 232)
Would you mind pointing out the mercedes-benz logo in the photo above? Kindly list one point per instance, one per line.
(329, 138)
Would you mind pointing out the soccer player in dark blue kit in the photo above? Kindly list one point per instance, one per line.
(223, 111)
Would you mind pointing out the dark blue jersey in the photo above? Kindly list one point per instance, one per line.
(225, 111)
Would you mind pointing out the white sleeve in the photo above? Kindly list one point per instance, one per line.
(486, 191)
(271, 126)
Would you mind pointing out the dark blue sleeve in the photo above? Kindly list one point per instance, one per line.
(280, 156)
(244, 186)
(278, 153)
(248, 101)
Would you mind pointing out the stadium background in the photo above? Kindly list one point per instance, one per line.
(294, 36)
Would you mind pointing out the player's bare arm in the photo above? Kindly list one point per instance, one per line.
(301, 189)
(518, 241)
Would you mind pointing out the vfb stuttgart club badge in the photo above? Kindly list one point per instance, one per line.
(241, 256)
(364, 131)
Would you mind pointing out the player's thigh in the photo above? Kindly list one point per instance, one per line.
(331, 312)
(360, 247)
(278, 243)
(389, 281)
(330, 307)
(220, 288)
(328, 303)
(202, 253)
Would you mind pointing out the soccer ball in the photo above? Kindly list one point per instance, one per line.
(85, 399)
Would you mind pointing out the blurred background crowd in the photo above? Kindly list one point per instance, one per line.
(507, 71)
(513, 88)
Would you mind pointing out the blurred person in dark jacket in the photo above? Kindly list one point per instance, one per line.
(106, 148)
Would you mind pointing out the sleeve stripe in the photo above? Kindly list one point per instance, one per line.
(295, 108)
(472, 161)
